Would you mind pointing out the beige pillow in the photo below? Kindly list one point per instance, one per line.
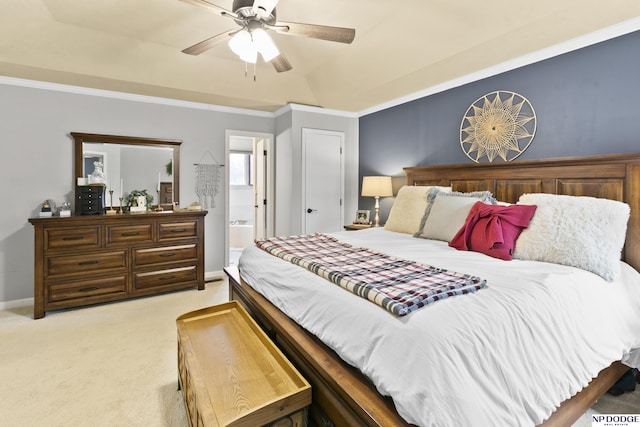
(408, 208)
(447, 212)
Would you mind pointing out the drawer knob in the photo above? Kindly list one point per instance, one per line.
(93, 288)
(73, 238)
(167, 255)
(88, 262)
(167, 277)
(132, 233)
(179, 230)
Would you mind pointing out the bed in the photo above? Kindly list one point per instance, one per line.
(344, 396)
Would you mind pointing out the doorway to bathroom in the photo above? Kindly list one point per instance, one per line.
(250, 190)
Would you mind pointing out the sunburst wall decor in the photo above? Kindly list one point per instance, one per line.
(499, 124)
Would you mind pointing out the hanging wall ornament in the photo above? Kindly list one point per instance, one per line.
(499, 124)
(207, 184)
(207, 180)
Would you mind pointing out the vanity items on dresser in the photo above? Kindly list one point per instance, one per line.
(90, 199)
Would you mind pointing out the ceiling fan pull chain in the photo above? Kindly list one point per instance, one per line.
(246, 69)
(254, 72)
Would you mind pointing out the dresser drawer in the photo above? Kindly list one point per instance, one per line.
(174, 230)
(72, 238)
(142, 257)
(129, 233)
(82, 264)
(167, 277)
(87, 288)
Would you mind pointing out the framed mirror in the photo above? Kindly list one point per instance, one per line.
(130, 163)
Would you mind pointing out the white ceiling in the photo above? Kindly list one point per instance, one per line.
(401, 46)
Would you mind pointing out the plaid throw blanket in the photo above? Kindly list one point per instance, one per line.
(399, 286)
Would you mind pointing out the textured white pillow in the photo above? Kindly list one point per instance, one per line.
(408, 208)
(583, 232)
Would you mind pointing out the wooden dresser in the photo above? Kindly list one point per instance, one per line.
(82, 260)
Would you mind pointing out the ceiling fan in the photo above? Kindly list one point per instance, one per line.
(256, 17)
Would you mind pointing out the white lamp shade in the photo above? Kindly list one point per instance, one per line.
(250, 56)
(242, 45)
(379, 186)
(264, 44)
(247, 44)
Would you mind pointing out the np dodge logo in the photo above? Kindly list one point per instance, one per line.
(615, 420)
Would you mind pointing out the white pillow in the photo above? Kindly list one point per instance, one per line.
(583, 232)
(408, 208)
(447, 214)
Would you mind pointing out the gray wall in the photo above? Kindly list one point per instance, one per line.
(37, 158)
(289, 199)
(37, 161)
(586, 101)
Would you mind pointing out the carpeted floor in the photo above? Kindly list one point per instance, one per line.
(115, 365)
(108, 365)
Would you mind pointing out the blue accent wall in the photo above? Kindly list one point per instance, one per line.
(586, 101)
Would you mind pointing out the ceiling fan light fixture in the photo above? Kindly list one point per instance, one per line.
(263, 8)
(241, 44)
(256, 16)
(250, 56)
(264, 44)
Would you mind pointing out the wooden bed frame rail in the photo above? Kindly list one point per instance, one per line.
(341, 395)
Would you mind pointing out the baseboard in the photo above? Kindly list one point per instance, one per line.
(8, 305)
(213, 276)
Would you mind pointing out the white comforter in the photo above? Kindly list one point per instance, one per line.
(506, 355)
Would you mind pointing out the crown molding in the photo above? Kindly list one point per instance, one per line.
(12, 81)
(586, 40)
(35, 84)
(314, 109)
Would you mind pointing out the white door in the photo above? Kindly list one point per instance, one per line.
(260, 189)
(323, 182)
(243, 200)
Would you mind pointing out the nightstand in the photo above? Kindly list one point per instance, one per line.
(351, 227)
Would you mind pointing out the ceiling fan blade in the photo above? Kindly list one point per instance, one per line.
(207, 44)
(281, 64)
(263, 8)
(323, 32)
(212, 6)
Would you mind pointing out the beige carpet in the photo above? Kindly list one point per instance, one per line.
(108, 365)
(115, 365)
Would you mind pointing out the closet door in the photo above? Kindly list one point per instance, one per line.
(323, 180)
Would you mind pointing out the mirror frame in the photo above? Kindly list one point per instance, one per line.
(80, 138)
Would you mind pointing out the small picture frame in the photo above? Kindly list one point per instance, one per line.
(362, 217)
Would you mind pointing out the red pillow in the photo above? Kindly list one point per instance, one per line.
(493, 229)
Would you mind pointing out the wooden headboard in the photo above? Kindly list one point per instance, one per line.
(614, 176)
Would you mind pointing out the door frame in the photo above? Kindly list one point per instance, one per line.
(270, 182)
(305, 132)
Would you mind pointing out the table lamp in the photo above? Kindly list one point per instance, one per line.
(376, 186)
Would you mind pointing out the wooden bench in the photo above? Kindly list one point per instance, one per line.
(231, 373)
